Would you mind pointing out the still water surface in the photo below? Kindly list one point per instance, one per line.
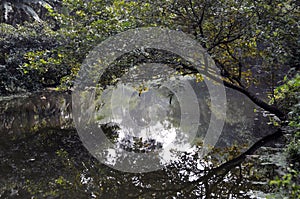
(42, 155)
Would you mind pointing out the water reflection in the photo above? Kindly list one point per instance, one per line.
(54, 164)
(41, 154)
(20, 114)
(147, 122)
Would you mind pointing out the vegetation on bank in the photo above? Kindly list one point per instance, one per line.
(287, 96)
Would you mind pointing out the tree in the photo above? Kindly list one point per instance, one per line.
(243, 37)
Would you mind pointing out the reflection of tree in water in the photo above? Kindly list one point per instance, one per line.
(146, 123)
(64, 168)
(52, 162)
(130, 143)
(140, 145)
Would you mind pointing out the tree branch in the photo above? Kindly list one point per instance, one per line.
(252, 97)
(224, 168)
(272, 109)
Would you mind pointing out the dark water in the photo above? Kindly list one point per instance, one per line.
(42, 156)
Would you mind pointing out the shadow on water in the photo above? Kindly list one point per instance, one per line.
(42, 156)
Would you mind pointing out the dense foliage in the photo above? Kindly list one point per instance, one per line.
(244, 38)
(287, 96)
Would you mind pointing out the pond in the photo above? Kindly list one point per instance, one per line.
(43, 155)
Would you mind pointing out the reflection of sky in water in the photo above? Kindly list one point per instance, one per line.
(149, 115)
